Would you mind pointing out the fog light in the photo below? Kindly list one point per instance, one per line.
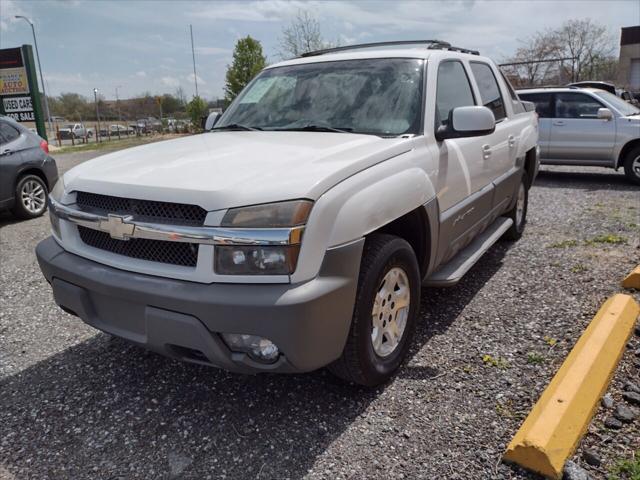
(258, 348)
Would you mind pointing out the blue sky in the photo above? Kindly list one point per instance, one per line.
(144, 45)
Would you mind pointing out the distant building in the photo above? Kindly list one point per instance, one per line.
(629, 66)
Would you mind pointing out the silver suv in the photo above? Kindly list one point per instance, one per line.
(587, 126)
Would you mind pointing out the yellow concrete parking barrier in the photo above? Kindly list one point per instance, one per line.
(551, 432)
(633, 279)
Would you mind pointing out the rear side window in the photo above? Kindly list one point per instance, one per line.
(453, 90)
(8, 133)
(489, 91)
(576, 105)
(542, 101)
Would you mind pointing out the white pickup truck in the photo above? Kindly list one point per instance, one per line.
(297, 233)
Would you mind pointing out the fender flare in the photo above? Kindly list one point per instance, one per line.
(359, 205)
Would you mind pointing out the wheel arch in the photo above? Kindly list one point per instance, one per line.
(630, 145)
(416, 229)
(31, 171)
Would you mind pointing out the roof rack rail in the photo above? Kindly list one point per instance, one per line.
(430, 44)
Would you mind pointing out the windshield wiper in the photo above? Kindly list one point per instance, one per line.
(236, 126)
(314, 128)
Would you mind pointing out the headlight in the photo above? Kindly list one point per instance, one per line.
(270, 215)
(58, 189)
(263, 259)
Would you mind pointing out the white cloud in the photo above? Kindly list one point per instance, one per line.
(8, 10)
(171, 82)
(141, 74)
(212, 51)
(201, 81)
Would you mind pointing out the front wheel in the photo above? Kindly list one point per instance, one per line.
(519, 211)
(384, 317)
(632, 165)
(31, 197)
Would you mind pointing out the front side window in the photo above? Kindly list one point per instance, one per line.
(489, 90)
(373, 96)
(453, 90)
(576, 105)
(543, 103)
(619, 104)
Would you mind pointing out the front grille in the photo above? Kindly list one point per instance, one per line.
(174, 253)
(142, 210)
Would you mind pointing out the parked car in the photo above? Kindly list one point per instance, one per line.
(587, 127)
(298, 231)
(607, 87)
(27, 171)
(73, 130)
(114, 129)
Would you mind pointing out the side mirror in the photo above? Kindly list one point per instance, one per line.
(211, 121)
(605, 114)
(467, 122)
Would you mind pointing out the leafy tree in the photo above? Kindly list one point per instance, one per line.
(248, 60)
(197, 109)
(301, 36)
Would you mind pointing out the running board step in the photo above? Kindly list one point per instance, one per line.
(453, 271)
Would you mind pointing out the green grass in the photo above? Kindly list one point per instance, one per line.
(535, 358)
(499, 362)
(108, 145)
(611, 239)
(627, 469)
(579, 269)
(564, 244)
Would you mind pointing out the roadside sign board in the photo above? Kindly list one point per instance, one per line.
(19, 94)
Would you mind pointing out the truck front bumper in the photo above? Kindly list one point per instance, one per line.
(309, 322)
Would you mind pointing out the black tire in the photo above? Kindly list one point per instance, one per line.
(519, 221)
(359, 363)
(632, 174)
(19, 209)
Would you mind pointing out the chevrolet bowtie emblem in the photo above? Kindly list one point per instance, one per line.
(117, 227)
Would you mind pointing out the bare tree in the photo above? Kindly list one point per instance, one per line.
(539, 46)
(301, 36)
(587, 45)
(587, 42)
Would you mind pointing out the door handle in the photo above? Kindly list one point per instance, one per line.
(6, 151)
(486, 151)
(558, 123)
(511, 140)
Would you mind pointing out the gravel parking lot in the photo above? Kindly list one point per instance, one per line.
(77, 404)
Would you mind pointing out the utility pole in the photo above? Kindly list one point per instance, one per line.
(44, 92)
(95, 98)
(193, 54)
(118, 103)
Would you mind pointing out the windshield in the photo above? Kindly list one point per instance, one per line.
(374, 96)
(616, 102)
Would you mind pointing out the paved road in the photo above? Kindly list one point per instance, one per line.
(76, 403)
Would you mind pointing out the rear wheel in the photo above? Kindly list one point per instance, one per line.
(384, 318)
(31, 197)
(519, 211)
(632, 165)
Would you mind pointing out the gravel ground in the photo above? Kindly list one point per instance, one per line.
(76, 403)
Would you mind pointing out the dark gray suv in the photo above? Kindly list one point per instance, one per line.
(27, 172)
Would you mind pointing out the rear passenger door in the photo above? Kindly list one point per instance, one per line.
(576, 131)
(544, 109)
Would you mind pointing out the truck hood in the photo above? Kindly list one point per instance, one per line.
(221, 170)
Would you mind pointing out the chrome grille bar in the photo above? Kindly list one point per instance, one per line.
(124, 227)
